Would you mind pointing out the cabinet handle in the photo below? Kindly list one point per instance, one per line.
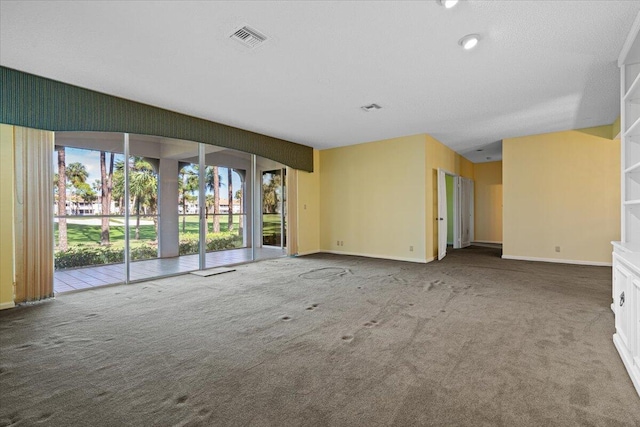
(621, 299)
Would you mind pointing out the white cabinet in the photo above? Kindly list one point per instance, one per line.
(626, 307)
(626, 253)
(629, 63)
(636, 356)
(623, 309)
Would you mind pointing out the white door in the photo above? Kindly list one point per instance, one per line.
(466, 212)
(442, 214)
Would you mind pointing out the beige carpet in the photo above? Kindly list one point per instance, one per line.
(325, 340)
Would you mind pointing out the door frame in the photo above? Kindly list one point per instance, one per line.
(283, 203)
(460, 183)
(442, 217)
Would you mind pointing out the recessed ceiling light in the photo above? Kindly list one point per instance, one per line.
(480, 149)
(469, 41)
(371, 107)
(447, 3)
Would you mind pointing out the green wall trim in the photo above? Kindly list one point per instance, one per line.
(40, 103)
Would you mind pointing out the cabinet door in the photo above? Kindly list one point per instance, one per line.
(622, 300)
(636, 321)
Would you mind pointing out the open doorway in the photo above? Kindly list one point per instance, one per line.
(451, 194)
(274, 208)
(455, 212)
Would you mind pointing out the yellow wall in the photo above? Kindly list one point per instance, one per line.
(6, 216)
(488, 202)
(309, 208)
(372, 199)
(439, 156)
(562, 189)
(615, 131)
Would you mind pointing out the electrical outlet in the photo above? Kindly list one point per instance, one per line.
(341, 242)
(410, 248)
(557, 248)
(305, 207)
(337, 242)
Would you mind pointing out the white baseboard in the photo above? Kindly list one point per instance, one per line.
(558, 261)
(6, 305)
(307, 253)
(394, 258)
(486, 241)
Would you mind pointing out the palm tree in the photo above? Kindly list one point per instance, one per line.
(143, 187)
(208, 206)
(117, 192)
(242, 218)
(187, 184)
(85, 193)
(271, 192)
(230, 199)
(106, 188)
(212, 180)
(62, 200)
(76, 174)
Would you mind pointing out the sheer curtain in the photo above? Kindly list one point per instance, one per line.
(33, 214)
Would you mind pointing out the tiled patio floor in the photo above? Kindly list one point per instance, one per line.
(91, 277)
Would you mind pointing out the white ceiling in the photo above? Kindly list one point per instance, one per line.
(541, 66)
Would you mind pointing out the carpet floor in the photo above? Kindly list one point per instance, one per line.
(325, 340)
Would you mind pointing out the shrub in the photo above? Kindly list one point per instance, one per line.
(188, 245)
(215, 241)
(144, 252)
(83, 256)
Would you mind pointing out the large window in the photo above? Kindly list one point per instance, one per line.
(131, 207)
(89, 227)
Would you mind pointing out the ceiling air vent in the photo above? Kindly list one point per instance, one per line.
(248, 37)
(371, 107)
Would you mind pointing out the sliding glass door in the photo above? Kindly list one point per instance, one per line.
(89, 229)
(143, 205)
(134, 207)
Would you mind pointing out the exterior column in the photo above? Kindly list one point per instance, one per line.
(168, 208)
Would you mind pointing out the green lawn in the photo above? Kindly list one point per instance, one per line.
(83, 238)
(79, 234)
(270, 224)
(271, 229)
(83, 235)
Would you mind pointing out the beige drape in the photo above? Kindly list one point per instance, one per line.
(292, 211)
(33, 214)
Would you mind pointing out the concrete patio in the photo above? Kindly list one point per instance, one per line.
(91, 277)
